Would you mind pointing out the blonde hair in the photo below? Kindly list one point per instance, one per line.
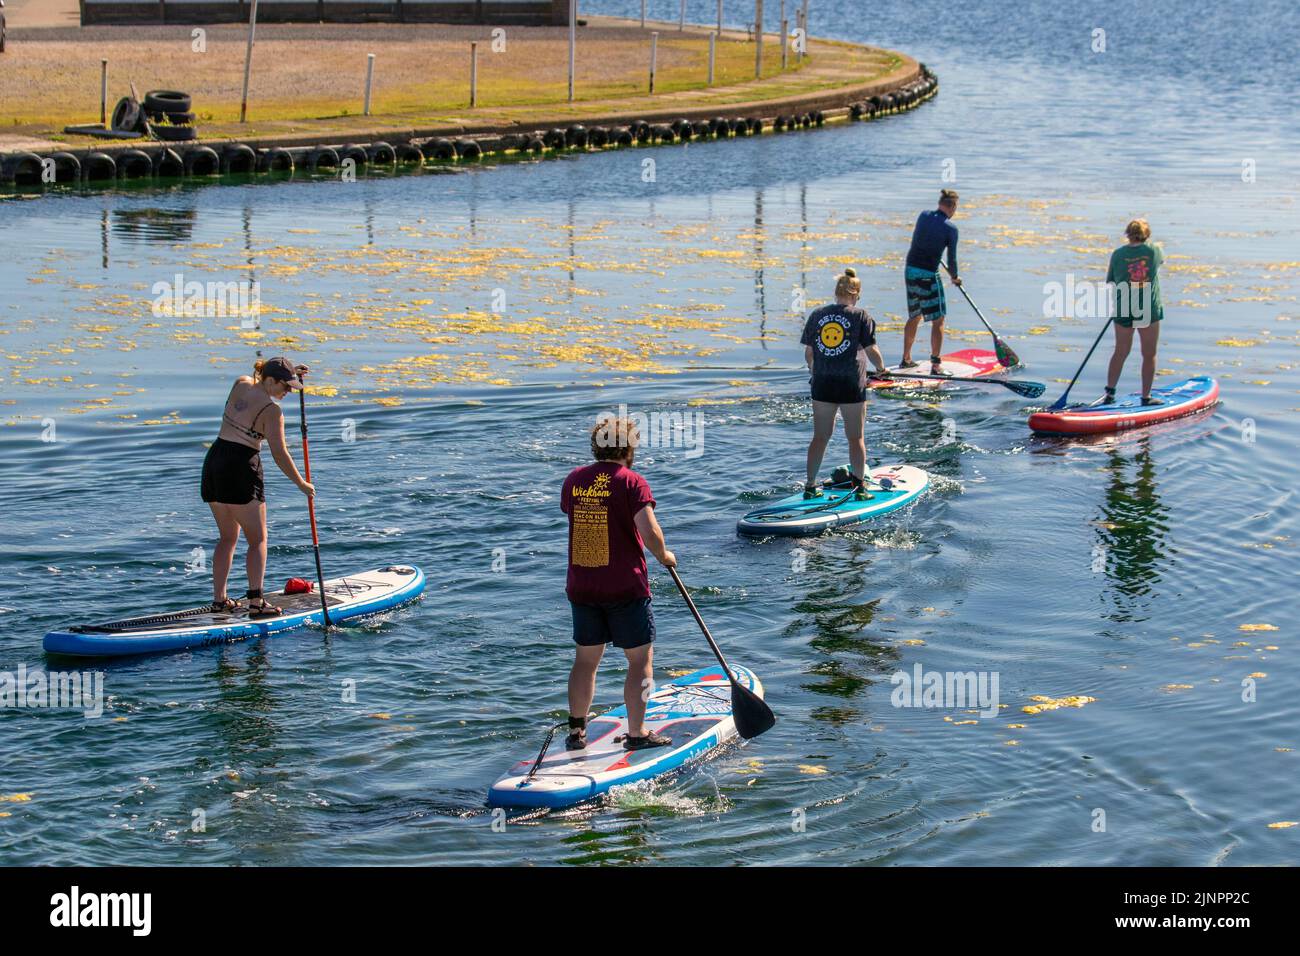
(613, 438)
(947, 197)
(1138, 230)
(848, 284)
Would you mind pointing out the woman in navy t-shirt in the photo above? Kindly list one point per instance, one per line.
(838, 340)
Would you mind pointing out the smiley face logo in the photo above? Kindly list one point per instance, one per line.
(832, 336)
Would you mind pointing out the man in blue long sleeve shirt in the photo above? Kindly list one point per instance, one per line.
(934, 233)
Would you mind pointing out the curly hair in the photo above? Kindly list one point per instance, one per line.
(613, 437)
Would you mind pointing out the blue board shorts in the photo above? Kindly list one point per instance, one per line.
(625, 624)
(925, 297)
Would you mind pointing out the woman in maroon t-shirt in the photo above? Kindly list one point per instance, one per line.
(611, 518)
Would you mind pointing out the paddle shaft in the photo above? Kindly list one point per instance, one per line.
(1060, 402)
(966, 295)
(955, 378)
(311, 505)
(717, 651)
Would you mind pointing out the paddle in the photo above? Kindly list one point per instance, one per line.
(751, 713)
(1006, 355)
(1060, 402)
(1027, 389)
(311, 501)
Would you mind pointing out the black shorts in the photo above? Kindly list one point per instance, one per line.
(625, 624)
(232, 474)
(837, 391)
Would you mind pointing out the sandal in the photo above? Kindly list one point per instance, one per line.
(225, 606)
(1150, 400)
(813, 492)
(577, 739)
(908, 364)
(860, 492)
(936, 367)
(651, 739)
(263, 608)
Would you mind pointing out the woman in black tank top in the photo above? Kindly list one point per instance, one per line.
(232, 475)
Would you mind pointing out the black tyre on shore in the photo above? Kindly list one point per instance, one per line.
(167, 101)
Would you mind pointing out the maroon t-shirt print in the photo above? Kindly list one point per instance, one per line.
(606, 554)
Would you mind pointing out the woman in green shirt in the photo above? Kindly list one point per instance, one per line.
(1134, 272)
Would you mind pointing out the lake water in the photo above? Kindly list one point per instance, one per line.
(467, 328)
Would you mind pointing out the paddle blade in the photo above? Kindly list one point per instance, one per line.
(751, 713)
(1007, 357)
(1027, 389)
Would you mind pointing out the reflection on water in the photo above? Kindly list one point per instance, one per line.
(154, 223)
(1131, 532)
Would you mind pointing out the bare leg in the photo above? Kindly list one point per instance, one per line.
(823, 428)
(909, 336)
(936, 337)
(224, 555)
(1123, 345)
(855, 416)
(582, 679)
(1150, 338)
(640, 672)
(252, 519)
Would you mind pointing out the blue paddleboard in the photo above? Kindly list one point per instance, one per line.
(891, 487)
(353, 596)
(695, 711)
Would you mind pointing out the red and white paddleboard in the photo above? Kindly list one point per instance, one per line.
(968, 363)
(1182, 398)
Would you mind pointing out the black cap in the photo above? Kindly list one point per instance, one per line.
(282, 370)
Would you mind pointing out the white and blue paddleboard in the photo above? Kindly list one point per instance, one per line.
(891, 487)
(353, 596)
(695, 711)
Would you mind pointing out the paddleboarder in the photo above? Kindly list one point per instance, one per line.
(232, 475)
(839, 340)
(933, 234)
(611, 521)
(1134, 271)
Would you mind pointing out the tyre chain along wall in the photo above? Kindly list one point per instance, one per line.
(326, 11)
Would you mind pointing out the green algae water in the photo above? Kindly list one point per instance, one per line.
(1130, 595)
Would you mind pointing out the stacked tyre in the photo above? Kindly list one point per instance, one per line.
(169, 115)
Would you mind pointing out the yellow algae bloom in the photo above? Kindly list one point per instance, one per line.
(1283, 825)
(811, 769)
(16, 798)
(1043, 703)
(1257, 627)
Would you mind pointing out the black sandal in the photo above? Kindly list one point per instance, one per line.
(577, 739)
(651, 739)
(225, 606)
(908, 364)
(263, 608)
(1149, 400)
(936, 367)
